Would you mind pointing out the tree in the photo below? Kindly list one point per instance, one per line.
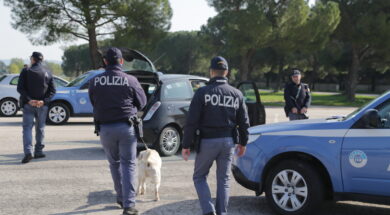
(75, 60)
(55, 68)
(182, 53)
(49, 21)
(365, 31)
(240, 28)
(3, 67)
(16, 65)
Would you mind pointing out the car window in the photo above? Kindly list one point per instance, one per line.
(2, 77)
(384, 113)
(78, 80)
(59, 83)
(14, 81)
(135, 65)
(85, 86)
(196, 84)
(177, 90)
(248, 92)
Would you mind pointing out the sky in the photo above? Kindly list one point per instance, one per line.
(187, 15)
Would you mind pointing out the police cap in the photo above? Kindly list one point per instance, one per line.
(37, 56)
(112, 55)
(219, 63)
(295, 72)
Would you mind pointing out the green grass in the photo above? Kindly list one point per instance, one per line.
(276, 99)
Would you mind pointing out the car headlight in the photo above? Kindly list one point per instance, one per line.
(253, 137)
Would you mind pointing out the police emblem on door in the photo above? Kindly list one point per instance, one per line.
(358, 159)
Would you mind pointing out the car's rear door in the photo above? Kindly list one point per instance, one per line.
(176, 98)
(366, 157)
(251, 95)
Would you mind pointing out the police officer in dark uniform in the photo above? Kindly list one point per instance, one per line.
(116, 97)
(36, 88)
(297, 97)
(217, 114)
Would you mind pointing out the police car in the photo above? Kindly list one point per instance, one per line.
(299, 164)
(9, 96)
(169, 97)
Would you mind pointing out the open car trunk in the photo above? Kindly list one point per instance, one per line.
(142, 68)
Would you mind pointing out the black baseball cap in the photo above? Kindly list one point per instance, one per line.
(37, 56)
(219, 63)
(295, 72)
(112, 55)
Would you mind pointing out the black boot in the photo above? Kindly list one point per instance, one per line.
(130, 211)
(39, 155)
(120, 203)
(27, 158)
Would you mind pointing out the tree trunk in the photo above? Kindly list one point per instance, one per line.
(314, 75)
(278, 85)
(93, 49)
(350, 88)
(244, 66)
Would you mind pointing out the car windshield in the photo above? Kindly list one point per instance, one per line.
(2, 77)
(77, 81)
(137, 65)
(351, 115)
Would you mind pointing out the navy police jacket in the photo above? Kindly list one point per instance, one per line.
(297, 96)
(115, 95)
(217, 110)
(36, 83)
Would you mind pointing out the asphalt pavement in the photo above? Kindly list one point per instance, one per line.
(74, 177)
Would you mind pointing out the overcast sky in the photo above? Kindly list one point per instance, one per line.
(187, 15)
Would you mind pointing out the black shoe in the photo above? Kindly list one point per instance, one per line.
(27, 158)
(39, 155)
(130, 211)
(120, 203)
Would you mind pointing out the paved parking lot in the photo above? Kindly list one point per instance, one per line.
(75, 179)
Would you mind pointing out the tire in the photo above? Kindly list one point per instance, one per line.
(168, 142)
(58, 113)
(299, 196)
(8, 107)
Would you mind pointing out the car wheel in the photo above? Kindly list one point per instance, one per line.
(8, 107)
(58, 114)
(294, 187)
(169, 141)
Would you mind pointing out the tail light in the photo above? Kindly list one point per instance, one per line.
(152, 110)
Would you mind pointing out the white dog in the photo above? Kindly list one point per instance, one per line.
(149, 166)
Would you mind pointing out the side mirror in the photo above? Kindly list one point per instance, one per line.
(371, 119)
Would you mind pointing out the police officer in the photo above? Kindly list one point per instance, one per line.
(215, 113)
(36, 88)
(117, 96)
(297, 97)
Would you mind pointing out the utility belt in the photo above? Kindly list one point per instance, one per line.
(209, 133)
(134, 121)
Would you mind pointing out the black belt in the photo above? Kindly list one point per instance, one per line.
(114, 121)
(216, 132)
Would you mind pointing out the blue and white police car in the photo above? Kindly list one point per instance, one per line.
(299, 164)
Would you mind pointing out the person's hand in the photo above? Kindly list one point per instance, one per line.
(241, 150)
(294, 110)
(39, 104)
(33, 103)
(186, 154)
(303, 110)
